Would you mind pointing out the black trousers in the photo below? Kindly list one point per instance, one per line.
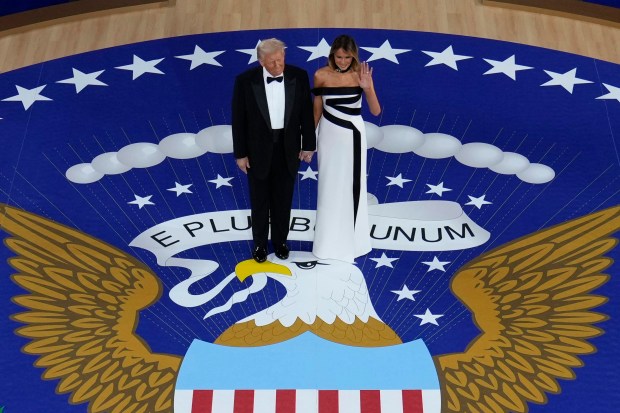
(272, 197)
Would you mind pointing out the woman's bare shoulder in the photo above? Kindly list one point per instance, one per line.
(322, 72)
(321, 75)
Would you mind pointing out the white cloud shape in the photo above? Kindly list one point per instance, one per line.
(438, 146)
(399, 139)
(108, 164)
(216, 139)
(374, 134)
(181, 146)
(537, 173)
(141, 155)
(479, 155)
(83, 173)
(390, 139)
(512, 163)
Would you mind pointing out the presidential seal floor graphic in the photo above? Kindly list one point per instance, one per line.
(493, 199)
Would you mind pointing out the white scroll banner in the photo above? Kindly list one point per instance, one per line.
(403, 226)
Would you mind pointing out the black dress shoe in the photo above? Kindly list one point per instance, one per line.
(259, 254)
(282, 251)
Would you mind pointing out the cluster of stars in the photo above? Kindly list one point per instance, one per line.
(179, 189)
(447, 57)
(405, 293)
(428, 317)
(438, 189)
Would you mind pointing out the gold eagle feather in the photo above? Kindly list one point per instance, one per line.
(83, 301)
(530, 298)
(532, 301)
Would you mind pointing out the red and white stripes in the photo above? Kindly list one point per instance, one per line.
(307, 401)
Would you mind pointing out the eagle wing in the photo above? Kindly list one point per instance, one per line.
(532, 299)
(82, 305)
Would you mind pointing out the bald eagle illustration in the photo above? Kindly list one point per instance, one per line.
(532, 300)
(327, 297)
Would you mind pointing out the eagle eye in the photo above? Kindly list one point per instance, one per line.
(307, 265)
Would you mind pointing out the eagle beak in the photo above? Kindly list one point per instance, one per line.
(246, 268)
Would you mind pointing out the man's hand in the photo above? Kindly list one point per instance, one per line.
(243, 164)
(306, 156)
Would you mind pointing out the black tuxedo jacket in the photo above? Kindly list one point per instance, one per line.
(251, 126)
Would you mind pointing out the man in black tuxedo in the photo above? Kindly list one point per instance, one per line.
(273, 129)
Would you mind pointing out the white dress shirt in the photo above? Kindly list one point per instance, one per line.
(275, 100)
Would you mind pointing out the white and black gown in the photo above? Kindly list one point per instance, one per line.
(341, 230)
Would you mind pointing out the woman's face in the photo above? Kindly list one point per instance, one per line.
(343, 59)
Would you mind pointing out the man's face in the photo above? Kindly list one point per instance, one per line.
(274, 63)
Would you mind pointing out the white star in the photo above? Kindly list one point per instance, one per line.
(308, 174)
(320, 50)
(437, 189)
(200, 57)
(140, 67)
(181, 189)
(478, 202)
(141, 201)
(384, 261)
(405, 293)
(428, 317)
(27, 96)
(251, 52)
(81, 80)
(567, 80)
(447, 57)
(397, 180)
(436, 264)
(614, 93)
(384, 52)
(507, 67)
(221, 181)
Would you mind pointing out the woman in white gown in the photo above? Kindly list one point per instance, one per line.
(341, 230)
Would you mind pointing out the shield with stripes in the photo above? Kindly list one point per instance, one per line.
(307, 374)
